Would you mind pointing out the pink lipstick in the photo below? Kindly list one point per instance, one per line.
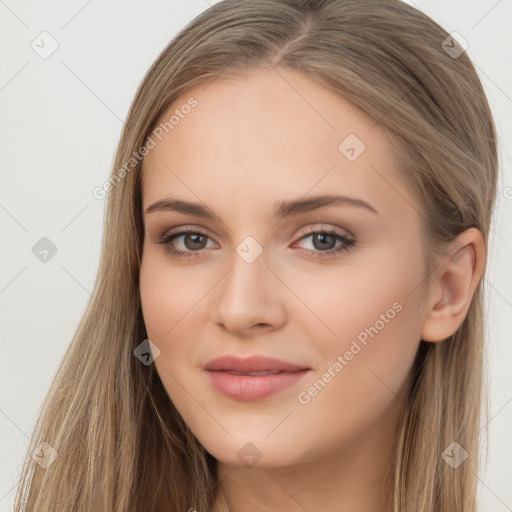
(252, 378)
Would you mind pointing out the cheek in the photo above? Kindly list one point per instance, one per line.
(363, 295)
(361, 388)
(175, 307)
(169, 296)
(366, 362)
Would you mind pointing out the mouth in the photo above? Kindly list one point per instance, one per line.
(232, 372)
(253, 378)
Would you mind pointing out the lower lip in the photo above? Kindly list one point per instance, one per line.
(253, 387)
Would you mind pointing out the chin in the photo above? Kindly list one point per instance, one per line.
(254, 451)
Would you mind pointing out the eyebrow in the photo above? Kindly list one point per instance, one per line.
(281, 210)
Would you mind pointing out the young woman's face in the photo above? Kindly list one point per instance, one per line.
(277, 264)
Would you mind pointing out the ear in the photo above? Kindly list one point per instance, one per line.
(453, 286)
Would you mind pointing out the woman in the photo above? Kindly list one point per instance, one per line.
(288, 313)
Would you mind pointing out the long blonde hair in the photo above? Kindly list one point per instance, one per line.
(121, 444)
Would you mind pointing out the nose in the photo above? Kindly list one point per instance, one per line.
(249, 299)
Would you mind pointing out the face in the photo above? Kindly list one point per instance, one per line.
(262, 268)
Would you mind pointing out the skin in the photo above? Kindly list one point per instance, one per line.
(249, 143)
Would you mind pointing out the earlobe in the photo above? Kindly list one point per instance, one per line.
(459, 272)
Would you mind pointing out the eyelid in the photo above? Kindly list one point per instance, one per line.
(325, 228)
(186, 229)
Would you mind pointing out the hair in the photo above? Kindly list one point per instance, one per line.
(121, 444)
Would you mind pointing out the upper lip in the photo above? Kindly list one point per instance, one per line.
(255, 363)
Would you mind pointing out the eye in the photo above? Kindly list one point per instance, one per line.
(324, 242)
(194, 241)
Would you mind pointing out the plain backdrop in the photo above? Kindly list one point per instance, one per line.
(60, 121)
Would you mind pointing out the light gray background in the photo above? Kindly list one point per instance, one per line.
(60, 121)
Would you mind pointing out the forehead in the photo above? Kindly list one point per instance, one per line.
(268, 135)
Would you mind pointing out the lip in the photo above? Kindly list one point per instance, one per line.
(229, 375)
(255, 363)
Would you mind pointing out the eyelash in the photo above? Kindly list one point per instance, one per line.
(348, 243)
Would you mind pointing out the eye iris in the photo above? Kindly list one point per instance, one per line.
(196, 240)
(322, 237)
